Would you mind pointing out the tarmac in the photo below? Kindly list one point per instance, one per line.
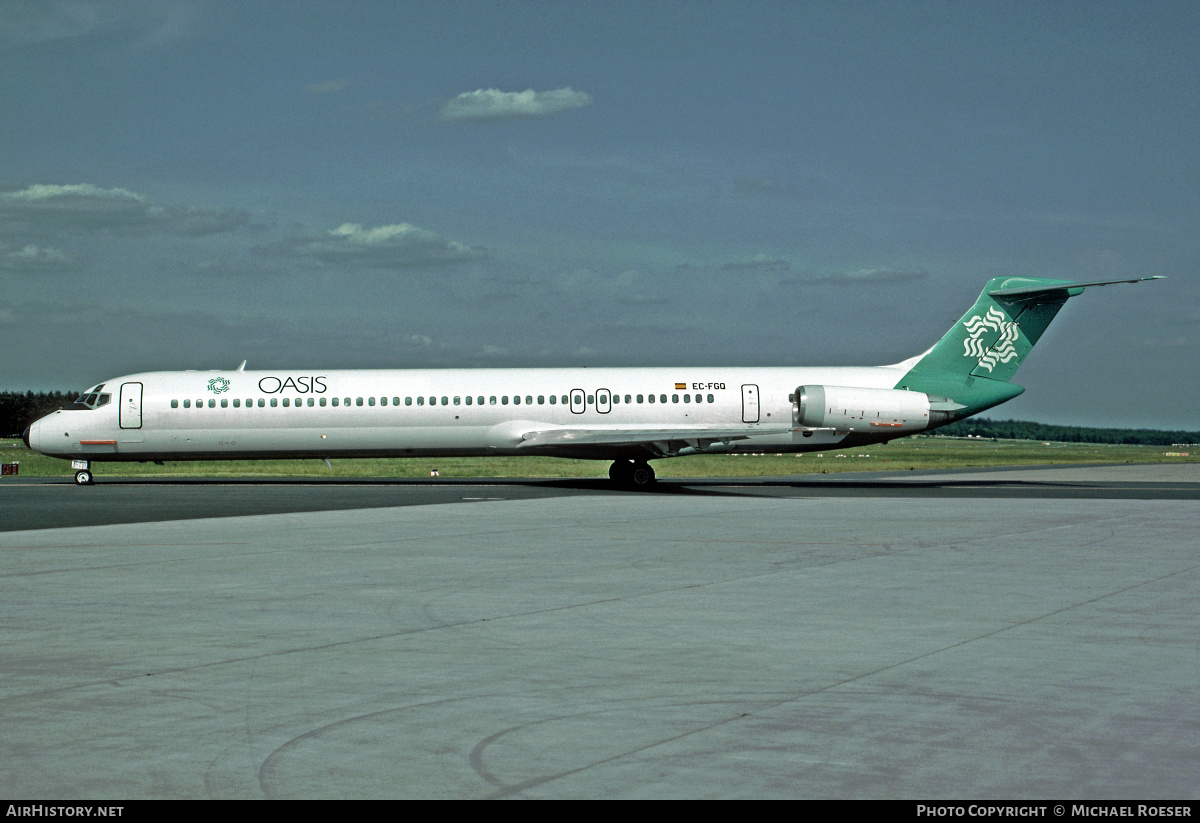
(1026, 634)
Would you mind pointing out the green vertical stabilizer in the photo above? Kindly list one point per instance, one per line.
(974, 362)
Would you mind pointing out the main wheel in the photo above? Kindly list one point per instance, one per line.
(620, 471)
(641, 476)
(83, 477)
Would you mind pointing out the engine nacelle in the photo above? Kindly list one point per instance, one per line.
(878, 411)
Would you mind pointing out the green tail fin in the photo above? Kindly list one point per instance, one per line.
(974, 361)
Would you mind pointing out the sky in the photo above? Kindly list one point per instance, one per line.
(319, 185)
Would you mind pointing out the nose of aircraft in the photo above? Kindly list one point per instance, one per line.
(25, 436)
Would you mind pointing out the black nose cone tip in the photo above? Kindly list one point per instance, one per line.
(25, 436)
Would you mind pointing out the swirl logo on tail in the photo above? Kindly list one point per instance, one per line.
(1002, 351)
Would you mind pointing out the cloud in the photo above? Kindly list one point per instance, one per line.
(31, 258)
(760, 262)
(804, 188)
(328, 87)
(389, 247)
(586, 281)
(198, 222)
(84, 207)
(877, 276)
(493, 104)
(79, 205)
(1177, 342)
(44, 21)
(864, 276)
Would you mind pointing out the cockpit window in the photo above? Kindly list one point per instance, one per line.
(91, 399)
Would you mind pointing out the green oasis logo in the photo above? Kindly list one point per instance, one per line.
(218, 385)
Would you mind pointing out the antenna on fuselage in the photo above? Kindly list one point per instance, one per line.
(242, 367)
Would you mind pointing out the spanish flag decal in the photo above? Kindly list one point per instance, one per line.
(681, 385)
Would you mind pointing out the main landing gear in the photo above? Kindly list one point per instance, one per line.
(633, 474)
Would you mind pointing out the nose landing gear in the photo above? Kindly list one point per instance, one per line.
(632, 474)
(83, 475)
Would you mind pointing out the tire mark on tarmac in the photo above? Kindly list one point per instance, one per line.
(267, 772)
(517, 788)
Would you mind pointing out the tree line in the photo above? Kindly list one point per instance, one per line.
(19, 410)
(1028, 430)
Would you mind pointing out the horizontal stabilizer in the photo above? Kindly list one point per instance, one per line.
(1022, 292)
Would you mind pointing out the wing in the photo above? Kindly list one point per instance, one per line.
(665, 441)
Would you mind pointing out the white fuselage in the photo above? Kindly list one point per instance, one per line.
(400, 413)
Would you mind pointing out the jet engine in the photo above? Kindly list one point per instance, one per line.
(878, 411)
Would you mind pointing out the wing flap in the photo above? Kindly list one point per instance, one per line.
(698, 438)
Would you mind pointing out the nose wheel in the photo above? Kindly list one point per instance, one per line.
(632, 474)
(83, 477)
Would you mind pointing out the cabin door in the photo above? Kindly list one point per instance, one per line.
(131, 405)
(749, 403)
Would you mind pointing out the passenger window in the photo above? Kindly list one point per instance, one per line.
(334, 401)
(652, 400)
(710, 399)
(662, 398)
(370, 401)
(408, 401)
(358, 401)
(274, 402)
(433, 401)
(469, 398)
(395, 401)
(212, 404)
(687, 398)
(457, 400)
(541, 399)
(591, 399)
(504, 400)
(287, 402)
(639, 398)
(224, 403)
(174, 404)
(517, 400)
(674, 398)
(261, 402)
(628, 398)
(187, 404)
(553, 399)
(565, 400)
(528, 400)
(445, 401)
(420, 401)
(346, 401)
(322, 402)
(309, 403)
(479, 400)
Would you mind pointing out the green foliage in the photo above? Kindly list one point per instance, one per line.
(19, 410)
(1027, 430)
(921, 452)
